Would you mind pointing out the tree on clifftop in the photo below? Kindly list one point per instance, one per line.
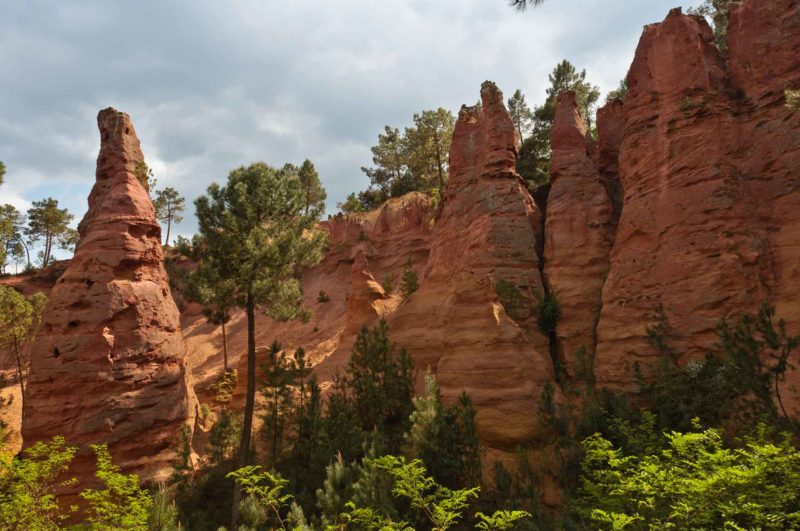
(533, 162)
(2, 171)
(169, 205)
(314, 192)
(256, 234)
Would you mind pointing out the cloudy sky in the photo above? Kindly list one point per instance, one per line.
(211, 85)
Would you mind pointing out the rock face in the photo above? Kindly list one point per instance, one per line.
(365, 301)
(109, 363)
(709, 166)
(579, 232)
(487, 232)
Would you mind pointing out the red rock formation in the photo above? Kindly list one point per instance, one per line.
(610, 123)
(487, 231)
(689, 238)
(579, 232)
(365, 301)
(764, 146)
(109, 363)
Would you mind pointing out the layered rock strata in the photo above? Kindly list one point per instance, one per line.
(579, 233)
(487, 232)
(109, 363)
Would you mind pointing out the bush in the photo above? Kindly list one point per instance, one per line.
(224, 386)
(388, 284)
(515, 304)
(408, 281)
(322, 297)
(549, 312)
(696, 483)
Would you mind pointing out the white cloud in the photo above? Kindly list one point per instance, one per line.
(213, 85)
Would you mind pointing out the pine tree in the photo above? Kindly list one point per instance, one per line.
(19, 320)
(521, 114)
(49, 223)
(278, 377)
(256, 234)
(381, 380)
(315, 193)
(12, 242)
(169, 205)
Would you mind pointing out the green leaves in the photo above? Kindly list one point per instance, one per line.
(694, 483)
(442, 506)
(122, 504)
(28, 486)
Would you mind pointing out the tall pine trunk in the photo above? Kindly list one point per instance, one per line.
(249, 405)
(169, 226)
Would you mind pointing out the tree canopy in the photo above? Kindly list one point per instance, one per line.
(169, 205)
(50, 224)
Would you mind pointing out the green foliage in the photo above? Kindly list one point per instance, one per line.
(717, 11)
(381, 381)
(256, 233)
(388, 284)
(278, 377)
(445, 438)
(50, 224)
(500, 520)
(533, 160)
(19, 320)
(28, 486)
(740, 379)
(322, 297)
(224, 386)
(408, 280)
(441, 506)
(793, 99)
(350, 205)
(695, 482)
(263, 489)
(144, 174)
(314, 192)
(619, 93)
(416, 159)
(169, 205)
(12, 242)
(521, 114)
(122, 504)
(548, 311)
(163, 514)
(2, 171)
(512, 299)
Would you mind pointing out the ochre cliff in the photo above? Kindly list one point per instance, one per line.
(709, 167)
(579, 232)
(487, 231)
(686, 201)
(109, 361)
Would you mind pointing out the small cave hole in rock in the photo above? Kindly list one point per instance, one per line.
(56, 352)
(127, 130)
(89, 283)
(72, 324)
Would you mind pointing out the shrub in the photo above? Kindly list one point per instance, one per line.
(223, 387)
(515, 304)
(696, 483)
(793, 99)
(322, 297)
(408, 281)
(549, 312)
(388, 284)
